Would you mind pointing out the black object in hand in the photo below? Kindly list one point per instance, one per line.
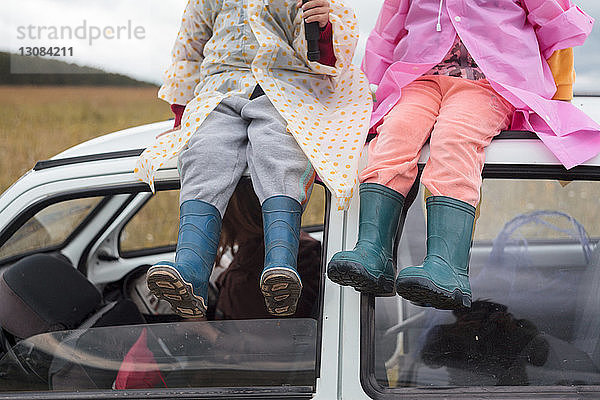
(312, 34)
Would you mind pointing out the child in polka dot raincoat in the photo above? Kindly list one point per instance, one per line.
(455, 73)
(247, 97)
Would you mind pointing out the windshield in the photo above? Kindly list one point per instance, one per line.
(251, 353)
(49, 227)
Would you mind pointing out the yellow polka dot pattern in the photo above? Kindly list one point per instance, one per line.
(226, 47)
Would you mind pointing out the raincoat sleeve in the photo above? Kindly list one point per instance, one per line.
(383, 39)
(178, 110)
(558, 24)
(326, 46)
(183, 74)
(561, 65)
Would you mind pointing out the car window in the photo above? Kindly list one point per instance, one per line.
(279, 353)
(49, 227)
(155, 226)
(240, 256)
(314, 214)
(535, 277)
(237, 345)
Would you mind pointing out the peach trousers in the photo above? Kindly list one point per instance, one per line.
(458, 116)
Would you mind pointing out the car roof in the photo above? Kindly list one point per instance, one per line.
(135, 138)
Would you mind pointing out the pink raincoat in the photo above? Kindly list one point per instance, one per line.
(510, 41)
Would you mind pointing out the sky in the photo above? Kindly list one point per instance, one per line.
(148, 28)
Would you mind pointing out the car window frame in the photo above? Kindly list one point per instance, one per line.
(279, 392)
(368, 380)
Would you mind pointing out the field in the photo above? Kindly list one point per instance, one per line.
(39, 122)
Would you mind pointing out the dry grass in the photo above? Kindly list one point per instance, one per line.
(39, 122)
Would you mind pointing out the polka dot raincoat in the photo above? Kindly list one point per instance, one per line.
(225, 47)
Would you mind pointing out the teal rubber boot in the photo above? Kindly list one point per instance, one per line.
(443, 279)
(280, 282)
(184, 283)
(370, 267)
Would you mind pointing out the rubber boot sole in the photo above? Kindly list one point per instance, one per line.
(348, 273)
(281, 289)
(424, 292)
(166, 283)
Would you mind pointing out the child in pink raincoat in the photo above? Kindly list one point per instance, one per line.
(456, 73)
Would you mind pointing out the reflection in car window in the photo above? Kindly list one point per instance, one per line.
(49, 227)
(535, 276)
(279, 352)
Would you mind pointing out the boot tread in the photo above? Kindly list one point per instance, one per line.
(281, 289)
(424, 292)
(167, 284)
(348, 273)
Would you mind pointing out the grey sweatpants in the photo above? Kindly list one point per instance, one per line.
(242, 133)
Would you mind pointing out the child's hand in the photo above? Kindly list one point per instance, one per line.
(169, 131)
(315, 10)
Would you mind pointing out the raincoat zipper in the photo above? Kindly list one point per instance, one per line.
(438, 27)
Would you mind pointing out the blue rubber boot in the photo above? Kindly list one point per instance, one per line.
(443, 279)
(184, 283)
(370, 267)
(280, 283)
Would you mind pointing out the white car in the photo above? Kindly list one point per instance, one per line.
(78, 231)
